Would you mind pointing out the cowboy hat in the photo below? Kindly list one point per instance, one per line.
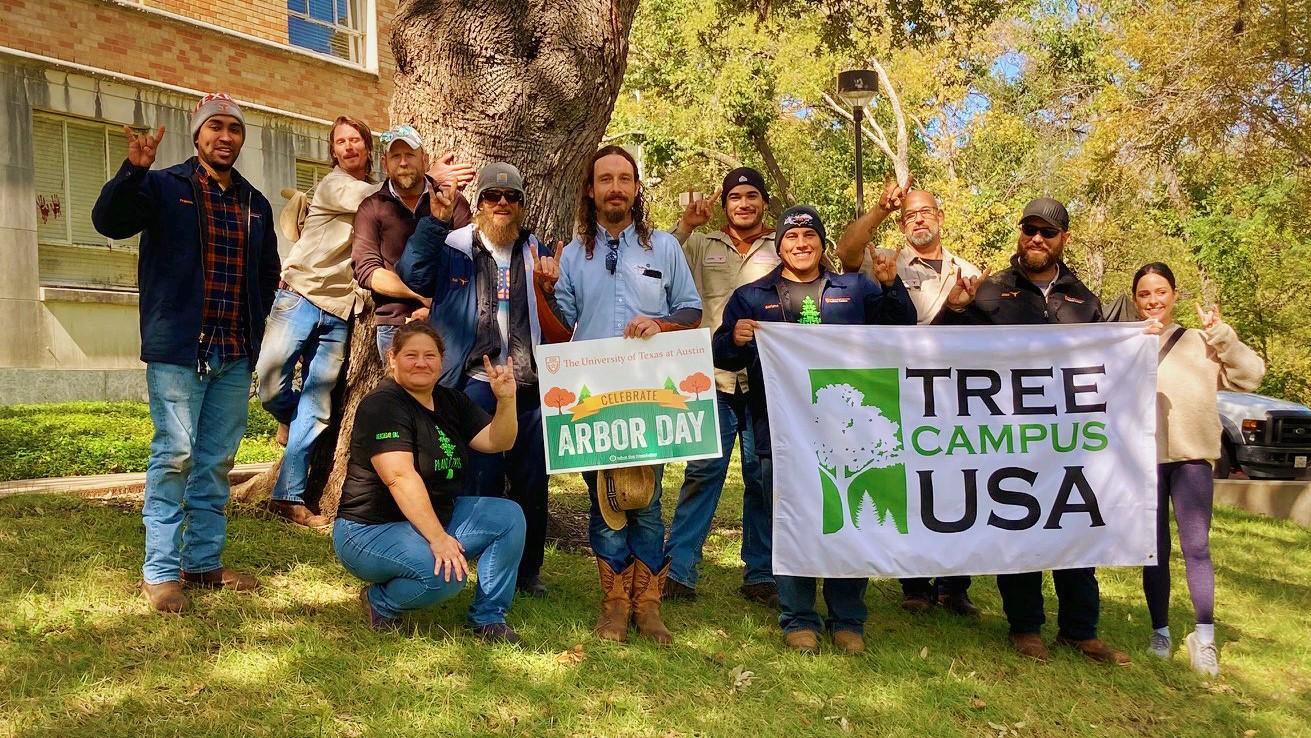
(621, 490)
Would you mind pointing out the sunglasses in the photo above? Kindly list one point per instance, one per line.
(612, 258)
(1032, 230)
(514, 197)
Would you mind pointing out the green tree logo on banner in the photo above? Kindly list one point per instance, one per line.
(858, 443)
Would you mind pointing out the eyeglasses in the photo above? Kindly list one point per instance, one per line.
(514, 197)
(612, 257)
(1032, 230)
(925, 213)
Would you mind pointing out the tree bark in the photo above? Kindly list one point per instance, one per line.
(530, 83)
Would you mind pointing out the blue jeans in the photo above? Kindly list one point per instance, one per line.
(697, 500)
(400, 564)
(198, 426)
(845, 598)
(297, 330)
(523, 467)
(643, 538)
(384, 336)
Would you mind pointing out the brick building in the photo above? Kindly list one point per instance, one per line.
(72, 72)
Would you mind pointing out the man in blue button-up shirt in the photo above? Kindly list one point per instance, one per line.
(620, 278)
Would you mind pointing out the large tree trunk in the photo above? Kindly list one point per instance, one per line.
(530, 83)
(360, 374)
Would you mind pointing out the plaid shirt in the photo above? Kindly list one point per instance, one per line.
(223, 325)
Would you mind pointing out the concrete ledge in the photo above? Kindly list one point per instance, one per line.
(1285, 500)
(26, 386)
(118, 483)
(94, 297)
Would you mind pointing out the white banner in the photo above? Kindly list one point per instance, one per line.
(925, 451)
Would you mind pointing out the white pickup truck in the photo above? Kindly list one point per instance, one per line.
(1263, 437)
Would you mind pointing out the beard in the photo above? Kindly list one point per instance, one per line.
(615, 212)
(921, 238)
(406, 180)
(502, 234)
(1038, 260)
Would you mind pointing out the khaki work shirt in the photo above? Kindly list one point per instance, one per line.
(319, 264)
(718, 269)
(928, 289)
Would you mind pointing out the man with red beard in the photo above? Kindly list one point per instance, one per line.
(483, 281)
(721, 261)
(1037, 289)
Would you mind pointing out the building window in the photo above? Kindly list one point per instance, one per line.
(332, 27)
(308, 173)
(74, 158)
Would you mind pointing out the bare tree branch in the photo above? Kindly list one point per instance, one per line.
(900, 162)
(872, 132)
(720, 157)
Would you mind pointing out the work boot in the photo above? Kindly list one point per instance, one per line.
(849, 642)
(1096, 650)
(959, 604)
(612, 624)
(917, 604)
(298, 514)
(531, 586)
(496, 633)
(1031, 645)
(221, 579)
(377, 620)
(676, 590)
(647, 586)
(165, 596)
(805, 641)
(765, 593)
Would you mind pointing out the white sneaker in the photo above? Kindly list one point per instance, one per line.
(1162, 646)
(1204, 657)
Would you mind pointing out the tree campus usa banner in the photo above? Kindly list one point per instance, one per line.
(923, 451)
(618, 402)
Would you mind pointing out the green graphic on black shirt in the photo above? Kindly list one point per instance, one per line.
(450, 461)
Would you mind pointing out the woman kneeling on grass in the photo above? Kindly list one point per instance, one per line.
(1193, 365)
(400, 524)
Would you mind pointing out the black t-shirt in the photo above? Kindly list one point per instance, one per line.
(794, 296)
(935, 264)
(390, 419)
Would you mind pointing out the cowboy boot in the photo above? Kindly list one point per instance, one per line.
(612, 625)
(647, 587)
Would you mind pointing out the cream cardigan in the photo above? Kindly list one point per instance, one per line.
(1201, 362)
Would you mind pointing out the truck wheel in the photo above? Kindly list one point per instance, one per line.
(1225, 465)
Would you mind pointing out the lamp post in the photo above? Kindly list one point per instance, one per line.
(857, 88)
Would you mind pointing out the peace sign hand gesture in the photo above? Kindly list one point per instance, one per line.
(884, 264)
(546, 269)
(141, 147)
(1208, 317)
(963, 292)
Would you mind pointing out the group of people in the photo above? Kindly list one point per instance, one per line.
(446, 454)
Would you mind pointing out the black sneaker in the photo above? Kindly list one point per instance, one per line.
(532, 586)
(764, 593)
(676, 590)
(496, 633)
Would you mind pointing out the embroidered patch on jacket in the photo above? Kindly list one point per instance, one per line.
(832, 300)
(1073, 299)
(1012, 293)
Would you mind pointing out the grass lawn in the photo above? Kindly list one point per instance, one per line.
(76, 438)
(80, 654)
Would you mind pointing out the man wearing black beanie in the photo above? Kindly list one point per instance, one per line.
(721, 261)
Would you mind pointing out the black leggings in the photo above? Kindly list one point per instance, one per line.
(1189, 485)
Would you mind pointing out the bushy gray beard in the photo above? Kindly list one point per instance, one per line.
(501, 235)
(921, 239)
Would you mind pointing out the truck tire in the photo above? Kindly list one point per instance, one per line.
(1225, 465)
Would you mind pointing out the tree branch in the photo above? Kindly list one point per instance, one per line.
(874, 134)
(720, 157)
(784, 194)
(900, 162)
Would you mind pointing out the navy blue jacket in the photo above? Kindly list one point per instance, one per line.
(161, 206)
(847, 299)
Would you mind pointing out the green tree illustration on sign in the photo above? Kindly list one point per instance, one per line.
(809, 312)
(584, 393)
(669, 384)
(852, 438)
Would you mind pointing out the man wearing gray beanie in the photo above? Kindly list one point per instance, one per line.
(208, 269)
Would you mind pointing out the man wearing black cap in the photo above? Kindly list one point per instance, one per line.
(1038, 288)
(802, 290)
(721, 261)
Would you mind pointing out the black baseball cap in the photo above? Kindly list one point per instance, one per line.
(1049, 210)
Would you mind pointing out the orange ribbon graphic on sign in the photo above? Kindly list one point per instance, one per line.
(596, 403)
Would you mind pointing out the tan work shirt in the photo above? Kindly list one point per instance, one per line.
(928, 289)
(319, 264)
(718, 269)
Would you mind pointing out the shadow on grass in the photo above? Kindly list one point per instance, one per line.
(80, 654)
